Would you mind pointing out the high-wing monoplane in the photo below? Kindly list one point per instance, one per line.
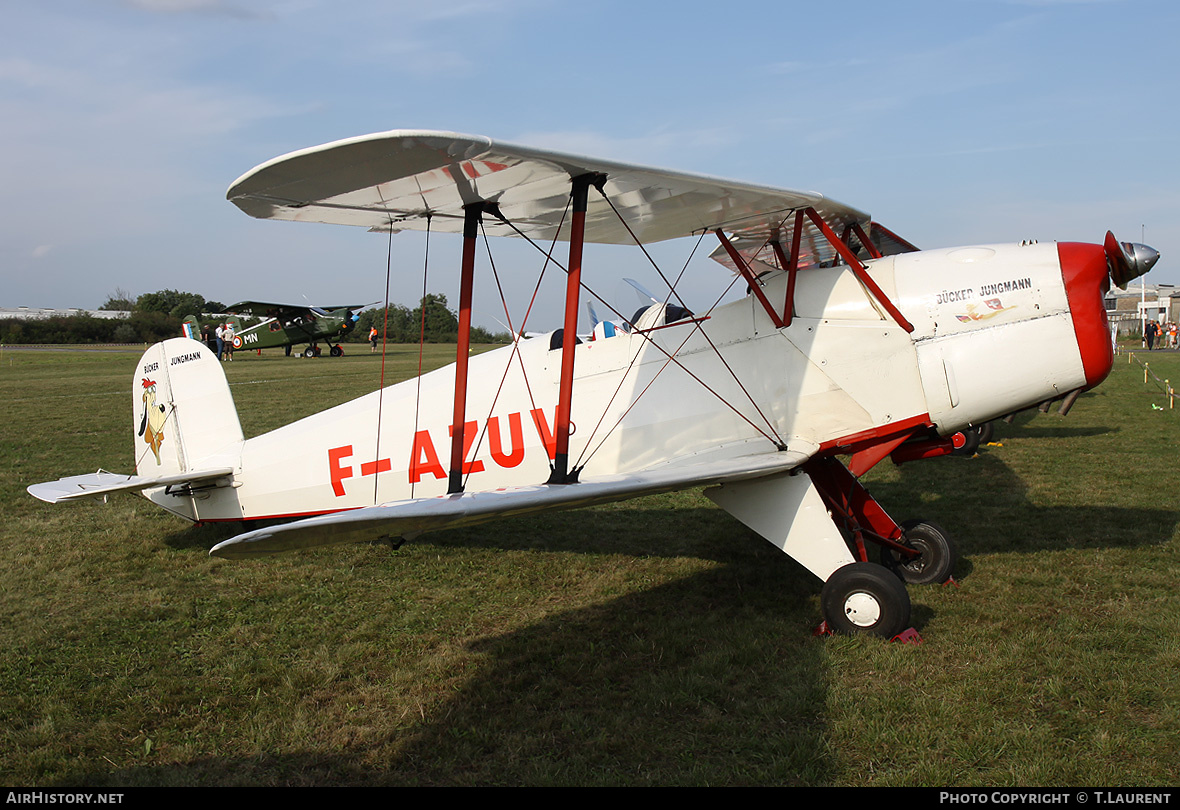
(849, 347)
(287, 325)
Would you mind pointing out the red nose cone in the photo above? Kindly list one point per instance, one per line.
(1084, 271)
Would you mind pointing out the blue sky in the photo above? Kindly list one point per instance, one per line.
(951, 122)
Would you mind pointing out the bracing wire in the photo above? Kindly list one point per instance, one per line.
(772, 439)
(704, 334)
(421, 345)
(381, 387)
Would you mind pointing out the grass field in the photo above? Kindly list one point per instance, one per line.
(654, 642)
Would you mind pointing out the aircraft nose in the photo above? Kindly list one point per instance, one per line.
(1084, 271)
(1128, 260)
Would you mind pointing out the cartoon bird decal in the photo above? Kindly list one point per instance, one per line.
(151, 426)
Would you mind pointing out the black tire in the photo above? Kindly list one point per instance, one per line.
(309, 352)
(336, 351)
(936, 559)
(970, 442)
(987, 432)
(865, 599)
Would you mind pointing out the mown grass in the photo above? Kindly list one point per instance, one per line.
(650, 642)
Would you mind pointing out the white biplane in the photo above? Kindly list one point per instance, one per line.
(850, 343)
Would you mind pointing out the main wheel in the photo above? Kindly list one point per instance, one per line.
(309, 352)
(865, 599)
(969, 442)
(336, 351)
(936, 554)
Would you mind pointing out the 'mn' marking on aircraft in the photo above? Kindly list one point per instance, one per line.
(850, 347)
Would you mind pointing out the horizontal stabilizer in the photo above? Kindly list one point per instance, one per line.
(103, 483)
(411, 518)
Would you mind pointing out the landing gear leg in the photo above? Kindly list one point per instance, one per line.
(936, 554)
(918, 551)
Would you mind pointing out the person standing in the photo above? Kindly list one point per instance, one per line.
(227, 336)
(372, 338)
(220, 335)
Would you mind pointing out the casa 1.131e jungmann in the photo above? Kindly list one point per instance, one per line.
(850, 344)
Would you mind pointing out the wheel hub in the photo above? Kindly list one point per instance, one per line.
(862, 609)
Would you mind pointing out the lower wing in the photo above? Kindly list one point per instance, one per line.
(411, 518)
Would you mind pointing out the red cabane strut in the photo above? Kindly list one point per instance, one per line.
(791, 265)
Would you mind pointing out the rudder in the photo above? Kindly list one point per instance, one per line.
(183, 412)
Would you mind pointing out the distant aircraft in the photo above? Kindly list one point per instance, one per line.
(286, 325)
(849, 344)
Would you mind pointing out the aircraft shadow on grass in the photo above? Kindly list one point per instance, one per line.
(619, 692)
(627, 691)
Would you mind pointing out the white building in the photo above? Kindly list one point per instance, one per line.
(38, 314)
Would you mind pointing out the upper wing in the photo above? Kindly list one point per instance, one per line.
(267, 309)
(410, 518)
(407, 179)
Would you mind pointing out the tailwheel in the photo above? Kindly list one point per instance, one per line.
(865, 599)
(936, 557)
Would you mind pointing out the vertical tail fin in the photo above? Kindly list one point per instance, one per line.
(183, 412)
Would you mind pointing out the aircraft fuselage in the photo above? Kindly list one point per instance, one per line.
(996, 329)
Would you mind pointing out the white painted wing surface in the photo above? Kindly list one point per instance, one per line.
(394, 179)
(410, 518)
(103, 483)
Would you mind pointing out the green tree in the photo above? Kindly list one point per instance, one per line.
(404, 325)
(442, 325)
(171, 302)
(118, 301)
